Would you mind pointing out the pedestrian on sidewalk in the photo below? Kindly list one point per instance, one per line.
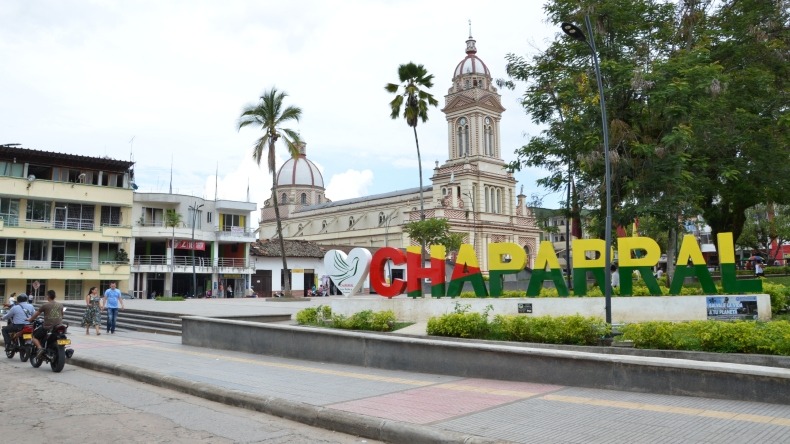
(92, 316)
(111, 300)
(230, 291)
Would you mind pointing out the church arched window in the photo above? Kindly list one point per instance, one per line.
(487, 200)
(284, 198)
(463, 137)
(489, 137)
(350, 221)
(381, 219)
(498, 201)
(304, 199)
(323, 225)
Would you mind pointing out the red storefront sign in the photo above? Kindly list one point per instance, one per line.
(187, 245)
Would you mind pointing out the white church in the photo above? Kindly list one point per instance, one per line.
(471, 189)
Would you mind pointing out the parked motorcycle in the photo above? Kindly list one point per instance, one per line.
(55, 351)
(22, 343)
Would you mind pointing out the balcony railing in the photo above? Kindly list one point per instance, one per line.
(236, 231)
(186, 261)
(52, 265)
(58, 225)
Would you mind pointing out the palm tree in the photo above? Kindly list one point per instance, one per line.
(173, 219)
(270, 114)
(415, 106)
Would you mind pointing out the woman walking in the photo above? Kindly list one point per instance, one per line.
(92, 316)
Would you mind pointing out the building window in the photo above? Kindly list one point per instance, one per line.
(11, 169)
(350, 221)
(74, 216)
(382, 219)
(9, 211)
(304, 199)
(7, 252)
(319, 198)
(35, 250)
(463, 137)
(38, 211)
(231, 221)
(73, 289)
(323, 225)
(195, 218)
(489, 137)
(284, 198)
(154, 217)
(110, 216)
(209, 217)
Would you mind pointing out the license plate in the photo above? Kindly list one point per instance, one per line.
(64, 341)
(27, 336)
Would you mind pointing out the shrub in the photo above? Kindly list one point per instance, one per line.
(571, 330)
(712, 336)
(169, 298)
(780, 296)
(319, 315)
(363, 320)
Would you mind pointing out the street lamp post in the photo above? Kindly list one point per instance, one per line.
(474, 220)
(194, 209)
(577, 34)
(386, 244)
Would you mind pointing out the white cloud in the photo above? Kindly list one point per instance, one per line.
(349, 184)
(85, 77)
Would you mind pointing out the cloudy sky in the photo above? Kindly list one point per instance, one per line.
(163, 83)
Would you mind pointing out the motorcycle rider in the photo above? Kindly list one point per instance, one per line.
(18, 315)
(53, 315)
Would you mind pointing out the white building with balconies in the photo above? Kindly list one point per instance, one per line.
(183, 241)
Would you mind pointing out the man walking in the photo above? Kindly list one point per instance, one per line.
(112, 299)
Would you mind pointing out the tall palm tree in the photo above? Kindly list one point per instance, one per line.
(173, 219)
(270, 115)
(414, 101)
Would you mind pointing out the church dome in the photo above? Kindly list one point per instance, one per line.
(471, 64)
(300, 171)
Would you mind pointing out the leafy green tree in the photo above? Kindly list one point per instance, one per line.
(434, 232)
(414, 100)
(767, 227)
(271, 114)
(696, 95)
(173, 219)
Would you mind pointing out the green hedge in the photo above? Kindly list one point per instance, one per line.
(769, 338)
(572, 330)
(322, 316)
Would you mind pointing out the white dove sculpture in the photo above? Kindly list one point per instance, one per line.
(345, 269)
(348, 272)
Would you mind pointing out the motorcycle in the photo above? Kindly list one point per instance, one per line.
(22, 343)
(55, 351)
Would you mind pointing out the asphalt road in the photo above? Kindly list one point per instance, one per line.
(83, 406)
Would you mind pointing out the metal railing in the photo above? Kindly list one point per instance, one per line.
(59, 225)
(50, 265)
(186, 261)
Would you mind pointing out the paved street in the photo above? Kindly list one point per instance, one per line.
(412, 407)
(84, 406)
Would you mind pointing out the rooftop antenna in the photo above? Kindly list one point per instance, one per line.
(171, 173)
(470, 28)
(216, 182)
(131, 148)
(248, 188)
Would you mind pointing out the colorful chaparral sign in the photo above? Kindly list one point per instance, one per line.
(636, 254)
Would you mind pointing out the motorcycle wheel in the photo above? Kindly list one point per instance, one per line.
(24, 353)
(58, 360)
(34, 360)
(9, 353)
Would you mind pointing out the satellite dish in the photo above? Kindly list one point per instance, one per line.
(134, 186)
(31, 178)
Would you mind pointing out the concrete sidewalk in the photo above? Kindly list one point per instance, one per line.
(407, 407)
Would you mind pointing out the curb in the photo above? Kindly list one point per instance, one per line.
(316, 416)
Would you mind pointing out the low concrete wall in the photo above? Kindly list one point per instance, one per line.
(493, 361)
(624, 309)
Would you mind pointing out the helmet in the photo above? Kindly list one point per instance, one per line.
(21, 298)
